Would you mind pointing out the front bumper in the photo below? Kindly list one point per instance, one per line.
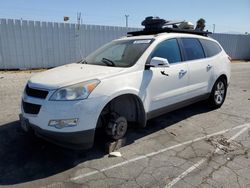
(39, 112)
(72, 140)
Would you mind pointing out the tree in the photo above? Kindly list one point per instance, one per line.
(200, 24)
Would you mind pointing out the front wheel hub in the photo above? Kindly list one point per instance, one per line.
(117, 127)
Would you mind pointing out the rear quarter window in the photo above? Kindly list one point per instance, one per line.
(211, 48)
(192, 49)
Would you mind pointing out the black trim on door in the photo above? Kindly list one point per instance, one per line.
(164, 110)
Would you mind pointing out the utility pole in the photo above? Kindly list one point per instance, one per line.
(213, 28)
(79, 18)
(126, 16)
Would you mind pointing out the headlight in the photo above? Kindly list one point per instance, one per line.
(75, 92)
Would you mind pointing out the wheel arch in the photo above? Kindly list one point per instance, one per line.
(127, 104)
(220, 76)
(223, 76)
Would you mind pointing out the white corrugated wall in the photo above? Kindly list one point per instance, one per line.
(237, 46)
(34, 44)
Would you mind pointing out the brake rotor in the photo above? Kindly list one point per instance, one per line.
(117, 127)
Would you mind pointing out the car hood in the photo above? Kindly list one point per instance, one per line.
(71, 74)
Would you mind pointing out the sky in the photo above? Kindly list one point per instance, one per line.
(229, 16)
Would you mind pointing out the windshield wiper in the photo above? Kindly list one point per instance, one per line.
(83, 61)
(108, 62)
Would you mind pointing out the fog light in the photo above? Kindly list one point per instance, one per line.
(61, 123)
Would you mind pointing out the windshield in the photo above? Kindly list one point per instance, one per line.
(122, 53)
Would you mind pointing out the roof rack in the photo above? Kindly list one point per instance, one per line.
(156, 25)
(168, 30)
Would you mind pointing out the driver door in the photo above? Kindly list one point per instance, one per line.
(167, 85)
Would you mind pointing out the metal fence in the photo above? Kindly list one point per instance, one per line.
(34, 44)
(237, 46)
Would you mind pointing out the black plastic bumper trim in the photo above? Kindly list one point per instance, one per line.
(73, 140)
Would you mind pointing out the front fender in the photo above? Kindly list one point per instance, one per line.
(117, 94)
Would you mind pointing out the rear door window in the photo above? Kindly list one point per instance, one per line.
(211, 48)
(192, 49)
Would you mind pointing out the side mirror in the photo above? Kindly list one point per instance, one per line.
(159, 62)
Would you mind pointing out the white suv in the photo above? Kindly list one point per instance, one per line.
(132, 79)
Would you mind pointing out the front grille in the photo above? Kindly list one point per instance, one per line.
(42, 94)
(31, 108)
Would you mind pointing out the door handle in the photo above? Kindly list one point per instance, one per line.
(182, 72)
(209, 67)
(163, 73)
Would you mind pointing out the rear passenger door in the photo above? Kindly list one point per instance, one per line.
(200, 71)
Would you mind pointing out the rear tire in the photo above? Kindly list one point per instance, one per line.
(218, 94)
